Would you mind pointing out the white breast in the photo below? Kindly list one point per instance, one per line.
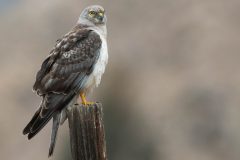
(94, 78)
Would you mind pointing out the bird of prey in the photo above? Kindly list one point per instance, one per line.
(71, 70)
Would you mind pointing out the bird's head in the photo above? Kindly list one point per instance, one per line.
(93, 14)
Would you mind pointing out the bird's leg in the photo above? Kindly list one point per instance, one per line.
(84, 100)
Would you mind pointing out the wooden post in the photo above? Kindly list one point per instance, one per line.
(87, 136)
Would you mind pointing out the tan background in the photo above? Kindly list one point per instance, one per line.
(170, 92)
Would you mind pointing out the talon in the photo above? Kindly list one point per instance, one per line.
(88, 103)
(84, 100)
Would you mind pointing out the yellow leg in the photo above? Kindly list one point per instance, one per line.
(84, 100)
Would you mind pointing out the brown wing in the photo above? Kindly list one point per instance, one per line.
(62, 73)
(69, 63)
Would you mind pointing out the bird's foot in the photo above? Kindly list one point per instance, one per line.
(84, 100)
(88, 103)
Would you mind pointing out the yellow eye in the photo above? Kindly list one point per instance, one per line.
(91, 13)
(100, 14)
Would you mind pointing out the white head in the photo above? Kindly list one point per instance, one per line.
(93, 16)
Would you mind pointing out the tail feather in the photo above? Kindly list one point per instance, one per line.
(51, 105)
(55, 126)
(29, 125)
(38, 125)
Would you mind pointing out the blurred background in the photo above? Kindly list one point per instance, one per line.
(171, 90)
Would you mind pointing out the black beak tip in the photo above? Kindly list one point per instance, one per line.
(100, 18)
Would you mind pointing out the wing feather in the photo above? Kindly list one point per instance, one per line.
(63, 73)
(74, 56)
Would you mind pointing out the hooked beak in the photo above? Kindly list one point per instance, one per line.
(100, 16)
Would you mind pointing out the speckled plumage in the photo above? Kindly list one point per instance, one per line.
(73, 58)
(74, 65)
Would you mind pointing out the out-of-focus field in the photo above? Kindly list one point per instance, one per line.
(171, 90)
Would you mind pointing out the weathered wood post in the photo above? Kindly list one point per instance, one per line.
(87, 137)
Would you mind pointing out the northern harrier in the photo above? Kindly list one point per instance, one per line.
(73, 68)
